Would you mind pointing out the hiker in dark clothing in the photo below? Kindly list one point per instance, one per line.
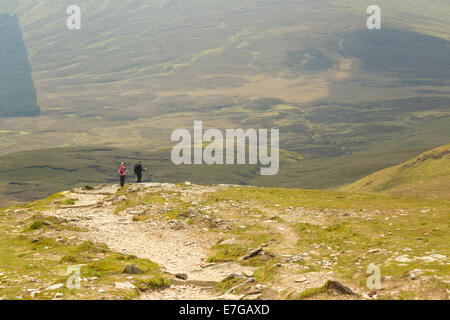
(138, 169)
(123, 174)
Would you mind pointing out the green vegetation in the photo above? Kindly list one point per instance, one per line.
(154, 283)
(229, 283)
(115, 264)
(68, 202)
(318, 199)
(333, 235)
(41, 205)
(344, 232)
(227, 252)
(33, 175)
(36, 225)
(347, 103)
(232, 282)
(266, 273)
(29, 262)
(304, 239)
(311, 292)
(425, 176)
(38, 221)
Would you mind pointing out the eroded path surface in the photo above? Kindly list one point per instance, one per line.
(178, 250)
(301, 245)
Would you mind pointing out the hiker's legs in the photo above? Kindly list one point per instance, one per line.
(122, 181)
(139, 177)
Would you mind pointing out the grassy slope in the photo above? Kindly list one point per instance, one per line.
(352, 231)
(36, 251)
(342, 227)
(427, 175)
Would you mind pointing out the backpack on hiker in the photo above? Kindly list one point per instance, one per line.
(137, 169)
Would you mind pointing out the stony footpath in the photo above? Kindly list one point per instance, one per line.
(180, 250)
(234, 242)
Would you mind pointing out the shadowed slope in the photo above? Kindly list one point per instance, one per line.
(17, 92)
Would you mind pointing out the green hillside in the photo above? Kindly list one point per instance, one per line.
(311, 68)
(427, 176)
(17, 92)
(357, 111)
(349, 101)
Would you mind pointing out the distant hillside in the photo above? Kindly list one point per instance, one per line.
(310, 68)
(349, 100)
(35, 174)
(17, 92)
(427, 176)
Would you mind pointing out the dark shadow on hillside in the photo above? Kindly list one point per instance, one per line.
(400, 52)
(17, 92)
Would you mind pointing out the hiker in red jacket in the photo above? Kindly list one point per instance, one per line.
(123, 174)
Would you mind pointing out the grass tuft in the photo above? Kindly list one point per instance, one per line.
(227, 253)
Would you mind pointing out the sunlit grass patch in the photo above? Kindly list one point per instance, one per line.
(267, 272)
(153, 283)
(35, 225)
(39, 221)
(46, 260)
(311, 292)
(333, 235)
(231, 282)
(320, 199)
(41, 205)
(225, 253)
(67, 202)
(259, 237)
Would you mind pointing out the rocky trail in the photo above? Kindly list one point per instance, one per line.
(264, 244)
(180, 252)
